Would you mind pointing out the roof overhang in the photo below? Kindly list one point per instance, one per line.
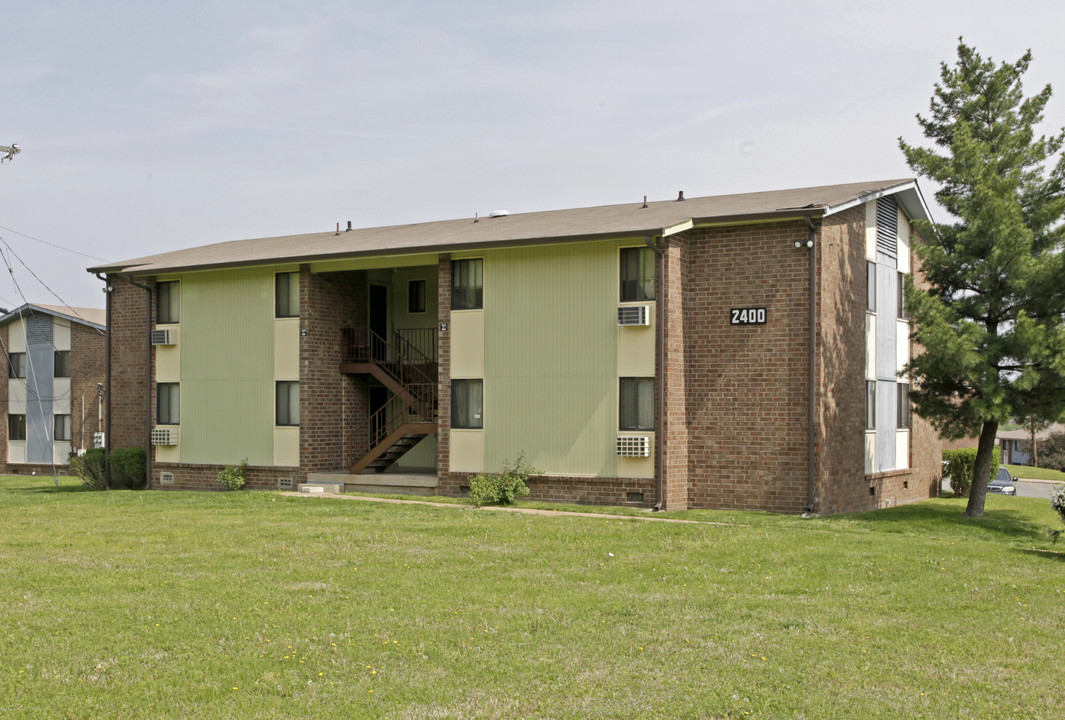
(908, 195)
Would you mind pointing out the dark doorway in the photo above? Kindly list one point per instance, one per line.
(378, 320)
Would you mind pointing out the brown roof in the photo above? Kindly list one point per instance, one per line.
(1024, 434)
(86, 316)
(605, 221)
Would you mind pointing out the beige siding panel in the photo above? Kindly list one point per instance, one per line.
(467, 451)
(636, 348)
(16, 396)
(421, 456)
(168, 357)
(61, 452)
(287, 349)
(551, 349)
(630, 467)
(870, 451)
(227, 366)
(168, 453)
(287, 446)
(870, 231)
(61, 397)
(467, 344)
(902, 449)
(61, 336)
(16, 451)
(870, 346)
(16, 336)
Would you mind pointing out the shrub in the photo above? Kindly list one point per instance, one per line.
(504, 487)
(1052, 451)
(1057, 500)
(127, 468)
(233, 477)
(90, 468)
(960, 466)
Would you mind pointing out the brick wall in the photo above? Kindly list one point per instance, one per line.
(448, 483)
(331, 404)
(130, 369)
(675, 466)
(747, 386)
(563, 489)
(205, 477)
(88, 367)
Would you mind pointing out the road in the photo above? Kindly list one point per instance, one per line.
(1025, 488)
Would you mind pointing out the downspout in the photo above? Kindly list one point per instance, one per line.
(811, 436)
(148, 389)
(660, 370)
(107, 370)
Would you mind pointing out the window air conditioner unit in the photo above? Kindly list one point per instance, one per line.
(634, 446)
(164, 436)
(634, 315)
(162, 337)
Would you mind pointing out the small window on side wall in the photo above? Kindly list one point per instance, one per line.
(467, 401)
(16, 427)
(288, 403)
(167, 404)
(903, 407)
(637, 274)
(167, 302)
(61, 424)
(903, 315)
(467, 284)
(416, 296)
(870, 286)
(16, 365)
(870, 404)
(636, 403)
(62, 363)
(287, 295)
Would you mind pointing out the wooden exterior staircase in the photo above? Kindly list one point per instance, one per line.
(406, 367)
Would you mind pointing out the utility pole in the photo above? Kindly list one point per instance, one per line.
(8, 151)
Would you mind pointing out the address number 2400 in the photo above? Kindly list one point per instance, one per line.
(748, 316)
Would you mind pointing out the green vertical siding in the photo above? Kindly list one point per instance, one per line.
(227, 366)
(551, 357)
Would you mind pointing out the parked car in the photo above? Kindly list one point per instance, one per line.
(1003, 483)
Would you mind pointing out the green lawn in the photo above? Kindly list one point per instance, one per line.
(234, 605)
(1034, 473)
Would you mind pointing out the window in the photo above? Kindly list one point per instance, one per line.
(61, 424)
(416, 296)
(902, 413)
(16, 365)
(168, 404)
(467, 399)
(870, 404)
(62, 363)
(167, 302)
(287, 405)
(870, 286)
(637, 274)
(467, 284)
(287, 295)
(636, 403)
(16, 427)
(903, 315)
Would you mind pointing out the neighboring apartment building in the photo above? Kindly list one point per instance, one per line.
(56, 369)
(738, 351)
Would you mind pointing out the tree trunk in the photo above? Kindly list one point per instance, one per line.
(1035, 448)
(982, 471)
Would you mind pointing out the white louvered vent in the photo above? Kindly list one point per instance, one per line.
(165, 436)
(634, 446)
(166, 478)
(634, 315)
(887, 226)
(162, 337)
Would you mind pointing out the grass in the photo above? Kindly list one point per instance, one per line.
(231, 605)
(1033, 473)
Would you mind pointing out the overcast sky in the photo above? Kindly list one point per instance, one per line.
(148, 126)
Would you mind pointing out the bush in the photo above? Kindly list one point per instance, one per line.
(127, 468)
(1051, 451)
(233, 477)
(504, 487)
(1057, 500)
(90, 468)
(960, 466)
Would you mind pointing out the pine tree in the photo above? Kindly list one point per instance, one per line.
(989, 317)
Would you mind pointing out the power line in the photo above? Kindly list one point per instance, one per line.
(36, 277)
(50, 244)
